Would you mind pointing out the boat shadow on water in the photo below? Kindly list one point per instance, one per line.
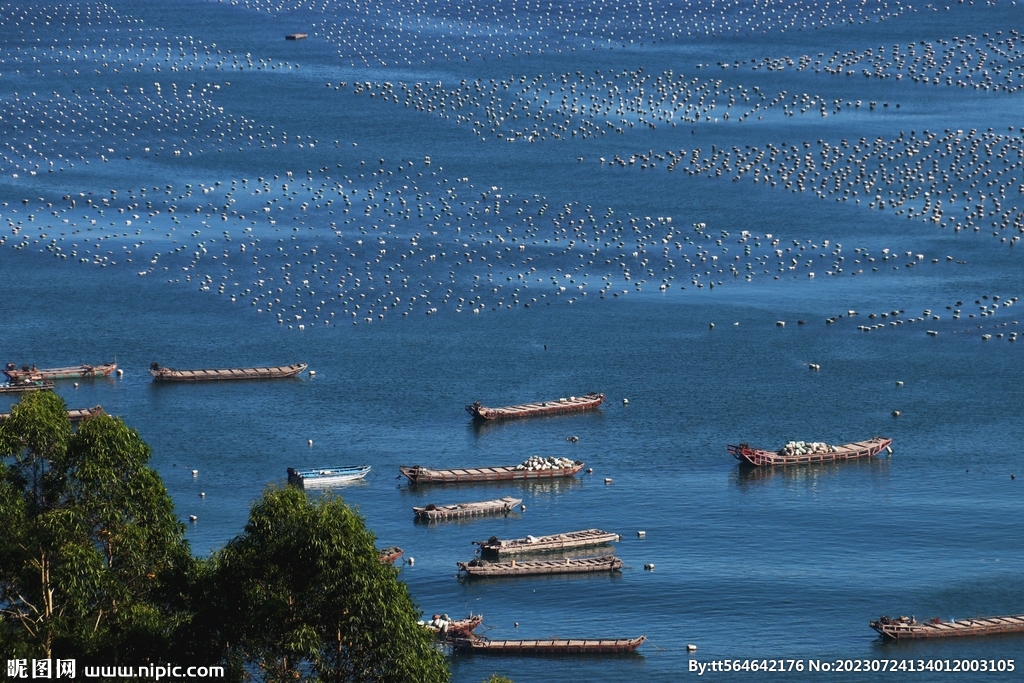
(746, 476)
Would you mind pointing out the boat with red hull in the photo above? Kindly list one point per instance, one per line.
(850, 451)
(572, 404)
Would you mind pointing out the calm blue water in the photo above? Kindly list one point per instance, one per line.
(758, 564)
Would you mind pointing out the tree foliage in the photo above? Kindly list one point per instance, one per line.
(302, 594)
(93, 554)
(94, 566)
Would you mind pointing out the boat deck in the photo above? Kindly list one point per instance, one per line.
(425, 475)
(271, 372)
(981, 626)
(75, 414)
(568, 566)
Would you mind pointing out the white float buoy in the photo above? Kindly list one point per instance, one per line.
(641, 534)
(649, 567)
(411, 561)
(625, 401)
(120, 372)
(607, 480)
(310, 442)
(522, 508)
(192, 518)
(690, 647)
(195, 473)
(76, 385)
(312, 373)
(202, 494)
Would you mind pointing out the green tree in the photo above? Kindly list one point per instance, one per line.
(301, 594)
(94, 559)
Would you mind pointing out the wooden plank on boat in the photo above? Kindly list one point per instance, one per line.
(533, 544)
(161, 374)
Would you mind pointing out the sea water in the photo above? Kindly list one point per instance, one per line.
(748, 564)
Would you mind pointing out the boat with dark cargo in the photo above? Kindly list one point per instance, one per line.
(539, 544)
(908, 628)
(498, 506)
(808, 453)
(418, 474)
(563, 405)
(479, 569)
(161, 374)
(326, 477)
(390, 554)
(32, 373)
(554, 647)
(26, 386)
(445, 627)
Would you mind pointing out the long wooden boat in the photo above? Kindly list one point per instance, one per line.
(905, 628)
(79, 371)
(325, 477)
(459, 510)
(75, 415)
(537, 544)
(563, 405)
(480, 569)
(451, 629)
(849, 451)
(425, 475)
(275, 372)
(26, 386)
(548, 647)
(389, 555)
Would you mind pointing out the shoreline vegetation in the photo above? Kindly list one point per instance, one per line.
(96, 568)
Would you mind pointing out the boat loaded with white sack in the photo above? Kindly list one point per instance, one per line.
(807, 453)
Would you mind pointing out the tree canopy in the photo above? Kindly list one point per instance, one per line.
(94, 565)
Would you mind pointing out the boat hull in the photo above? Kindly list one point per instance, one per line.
(549, 647)
(326, 477)
(851, 451)
(558, 407)
(77, 372)
(424, 475)
(225, 374)
(982, 626)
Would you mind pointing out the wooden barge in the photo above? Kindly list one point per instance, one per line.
(478, 569)
(326, 477)
(425, 475)
(26, 386)
(26, 373)
(276, 372)
(389, 555)
(484, 507)
(850, 451)
(537, 544)
(75, 415)
(482, 645)
(563, 405)
(905, 628)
